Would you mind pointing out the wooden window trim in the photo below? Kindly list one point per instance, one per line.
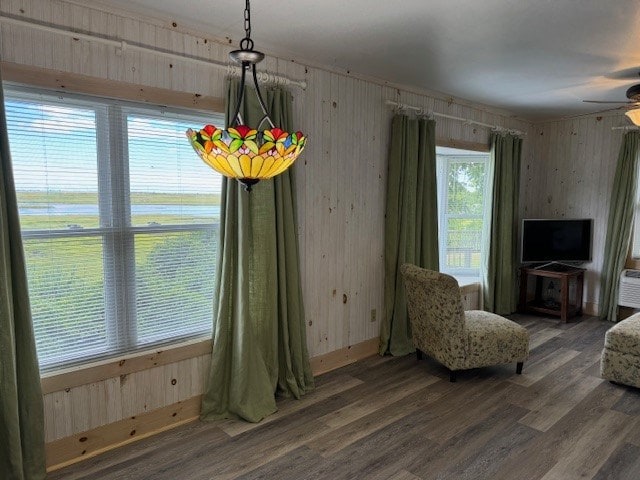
(61, 81)
(123, 365)
(632, 263)
(463, 145)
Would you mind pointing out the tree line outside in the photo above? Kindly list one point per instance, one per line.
(174, 273)
(465, 184)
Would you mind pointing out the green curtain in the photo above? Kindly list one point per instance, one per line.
(259, 339)
(21, 407)
(411, 222)
(623, 196)
(500, 286)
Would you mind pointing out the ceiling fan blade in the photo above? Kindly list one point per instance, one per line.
(607, 101)
(608, 110)
(605, 110)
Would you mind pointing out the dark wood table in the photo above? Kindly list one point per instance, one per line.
(565, 275)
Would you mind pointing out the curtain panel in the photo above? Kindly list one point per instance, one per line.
(621, 206)
(411, 222)
(21, 406)
(259, 339)
(499, 282)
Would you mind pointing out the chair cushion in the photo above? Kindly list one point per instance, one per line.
(492, 339)
(624, 336)
(620, 367)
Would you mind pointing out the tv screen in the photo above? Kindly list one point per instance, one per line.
(556, 240)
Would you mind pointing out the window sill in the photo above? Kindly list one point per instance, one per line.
(470, 288)
(633, 263)
(114, 367)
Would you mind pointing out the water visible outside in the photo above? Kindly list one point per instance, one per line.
(92, 210)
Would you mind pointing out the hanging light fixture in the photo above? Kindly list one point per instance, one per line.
(634, 115)
(241, 152)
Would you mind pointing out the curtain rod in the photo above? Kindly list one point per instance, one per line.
(265, 77)
(429, 113)
(626, 127)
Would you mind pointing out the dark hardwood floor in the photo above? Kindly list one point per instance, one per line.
(396, 418)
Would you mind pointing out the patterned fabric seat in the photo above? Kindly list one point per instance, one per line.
(459, 340)
(620, 360)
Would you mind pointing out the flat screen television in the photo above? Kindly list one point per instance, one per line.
(566, 240)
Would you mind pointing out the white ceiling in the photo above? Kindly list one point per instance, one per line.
(536, 58)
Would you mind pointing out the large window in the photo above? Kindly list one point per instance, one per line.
(635, 234)
(119, 222)
(463, 187)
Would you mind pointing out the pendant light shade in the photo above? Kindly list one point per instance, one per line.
(246, 154)
(242, 152)
(634, 115)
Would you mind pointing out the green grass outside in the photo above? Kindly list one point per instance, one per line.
(59, 222)
(91, 248)
(139, 198)
(455, 260)
(66, 285)
(66, 274)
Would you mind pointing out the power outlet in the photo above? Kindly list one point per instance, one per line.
(373, 315)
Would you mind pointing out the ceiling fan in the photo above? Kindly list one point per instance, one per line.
(633, 94)
(632, 106)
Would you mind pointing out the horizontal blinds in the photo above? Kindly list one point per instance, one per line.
(635, 244)
(462, 200)
(66, 291)
(55, 162)
(169, 184)
(120, 224)
(174, 283)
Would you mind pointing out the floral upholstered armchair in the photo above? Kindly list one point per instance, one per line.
(459, 340)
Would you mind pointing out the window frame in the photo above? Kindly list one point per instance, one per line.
(634, 245)
(443, 163)
(114, 205)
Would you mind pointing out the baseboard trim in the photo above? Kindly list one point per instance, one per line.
(590, 308)
(345, 356)
(66, 451)
(69, 450)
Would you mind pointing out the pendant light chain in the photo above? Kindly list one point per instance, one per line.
(246, 43)
(247, 20)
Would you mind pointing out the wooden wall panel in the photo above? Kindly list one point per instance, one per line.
(86, 407)
(341, 178)
(570, 175)
(342, 175)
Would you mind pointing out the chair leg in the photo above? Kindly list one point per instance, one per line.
(418, 354)
(519, 368)
(452, 375)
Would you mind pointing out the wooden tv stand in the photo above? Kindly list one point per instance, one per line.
(564, 275)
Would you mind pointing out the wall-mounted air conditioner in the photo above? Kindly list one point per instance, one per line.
(629, 293)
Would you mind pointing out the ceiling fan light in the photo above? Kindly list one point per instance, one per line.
(634, 116)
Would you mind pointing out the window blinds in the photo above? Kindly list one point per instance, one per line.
(119, 220)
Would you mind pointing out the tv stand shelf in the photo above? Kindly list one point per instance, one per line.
(564, 309)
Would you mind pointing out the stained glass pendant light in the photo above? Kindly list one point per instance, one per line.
(634, 116)
(241, 152)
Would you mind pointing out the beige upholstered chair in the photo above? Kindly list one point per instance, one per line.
(620, 360)
(459, 340)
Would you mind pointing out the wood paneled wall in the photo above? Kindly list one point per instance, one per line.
(85, 407)
(341, 178)
(570, 175)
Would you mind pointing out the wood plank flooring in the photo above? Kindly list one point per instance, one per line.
(396, 418)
